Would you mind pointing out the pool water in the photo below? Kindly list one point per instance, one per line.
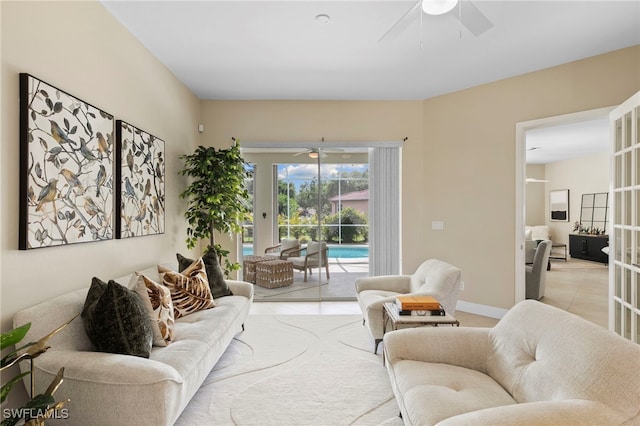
(348, 252)
(341, 252)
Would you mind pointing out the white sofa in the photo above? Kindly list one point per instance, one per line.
(538, 366)
(533, 235)
(109, 389)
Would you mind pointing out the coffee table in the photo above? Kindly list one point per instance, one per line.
(391, 316)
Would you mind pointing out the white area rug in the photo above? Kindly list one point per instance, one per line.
(297, 370)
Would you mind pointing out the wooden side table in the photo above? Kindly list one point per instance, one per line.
(391, 316)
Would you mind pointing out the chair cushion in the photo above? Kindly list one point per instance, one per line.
(449, 390)
(540, 232)
(289, 243)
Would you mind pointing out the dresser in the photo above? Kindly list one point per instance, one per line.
(588, 247)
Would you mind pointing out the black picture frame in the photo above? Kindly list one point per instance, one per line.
(66, 168)
(559, 205)
(140, 182)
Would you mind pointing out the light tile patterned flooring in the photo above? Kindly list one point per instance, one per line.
(577, 286)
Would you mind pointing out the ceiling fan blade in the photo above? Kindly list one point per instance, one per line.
(300, 153)
(413, 8)
(472, 18)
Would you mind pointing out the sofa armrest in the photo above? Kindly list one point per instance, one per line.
(241, 288)
(395, 283)
(102, 367)
(460, 346)
(566, 412)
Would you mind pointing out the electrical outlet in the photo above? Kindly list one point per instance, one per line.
(462, 286)
(437, 225)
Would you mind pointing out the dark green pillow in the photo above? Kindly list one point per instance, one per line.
(115, 320)
(217, 284)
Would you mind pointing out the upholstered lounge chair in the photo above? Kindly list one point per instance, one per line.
(536, 274)
(433, 278)
(314, 255)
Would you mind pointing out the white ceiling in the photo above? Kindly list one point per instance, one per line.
(566, 141)
(277, 50)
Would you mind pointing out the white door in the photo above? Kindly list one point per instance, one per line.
(624, 235)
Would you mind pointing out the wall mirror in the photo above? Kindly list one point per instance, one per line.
(559, 205)
(594, 212)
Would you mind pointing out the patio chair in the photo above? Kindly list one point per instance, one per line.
(314, 255)
(284, 249)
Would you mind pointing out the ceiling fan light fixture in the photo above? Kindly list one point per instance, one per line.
(313, 154)
(323, 18)
(438, 7)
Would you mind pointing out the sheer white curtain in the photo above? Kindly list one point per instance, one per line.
(384, 210)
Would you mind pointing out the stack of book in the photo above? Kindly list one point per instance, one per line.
(419, 305)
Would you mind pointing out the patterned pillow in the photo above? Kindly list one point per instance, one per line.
(217, 284)
(189, 290)
(115, 320)
(159, 307)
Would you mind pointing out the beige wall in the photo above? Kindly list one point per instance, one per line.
(80, 48)
(535, 196)
(584, 175)
(309, 121)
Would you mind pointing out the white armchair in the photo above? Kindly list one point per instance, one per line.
(433, 278)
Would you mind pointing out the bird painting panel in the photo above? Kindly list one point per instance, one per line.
(140, 169)
(67, 159)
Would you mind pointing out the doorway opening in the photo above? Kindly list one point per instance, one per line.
(538, 173)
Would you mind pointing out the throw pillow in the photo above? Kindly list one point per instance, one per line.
(189, 290)
(157, 301)
(217, 284)
(115, 320)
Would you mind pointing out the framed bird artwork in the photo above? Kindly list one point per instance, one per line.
(140, 196)
(66, 168)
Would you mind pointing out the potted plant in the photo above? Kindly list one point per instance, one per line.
(217, 197)
(41, 406)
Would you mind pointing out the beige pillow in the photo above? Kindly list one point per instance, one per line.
(157, 301)
(189, 290)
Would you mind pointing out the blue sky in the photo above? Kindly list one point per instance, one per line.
(297, 172)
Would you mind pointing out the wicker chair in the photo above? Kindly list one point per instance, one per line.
(284, 249)
(312, 256)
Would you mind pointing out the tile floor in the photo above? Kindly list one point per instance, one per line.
(577, 286)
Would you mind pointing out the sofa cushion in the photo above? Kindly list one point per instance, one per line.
(158, 305)
(189, 290)
(217, 284)
(115, 320)
(538, 352)
(432, 392)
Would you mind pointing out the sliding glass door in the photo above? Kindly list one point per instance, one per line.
(320, 198)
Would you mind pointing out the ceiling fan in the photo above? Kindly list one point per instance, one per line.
(316, 152)
(464, 10)
(534, 180)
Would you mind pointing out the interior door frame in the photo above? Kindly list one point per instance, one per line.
(521, 129)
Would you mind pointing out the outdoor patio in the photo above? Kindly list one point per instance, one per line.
(340, 285)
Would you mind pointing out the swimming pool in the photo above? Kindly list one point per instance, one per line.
(340, 252)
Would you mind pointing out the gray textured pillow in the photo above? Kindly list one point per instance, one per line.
(217, 284)
(116, 320)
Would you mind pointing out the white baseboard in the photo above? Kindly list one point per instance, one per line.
(484, 310)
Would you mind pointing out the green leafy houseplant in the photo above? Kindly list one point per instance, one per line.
(217, 197)
(41, 406)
